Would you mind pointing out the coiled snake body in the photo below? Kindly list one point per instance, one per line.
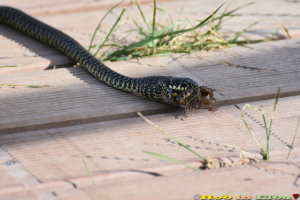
(182, 92)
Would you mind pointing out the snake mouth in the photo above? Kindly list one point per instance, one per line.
(191, 98)
(183, 98)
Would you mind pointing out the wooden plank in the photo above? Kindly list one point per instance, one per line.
(261, 10)
(250, 180)
(27, 4)
(55, 105)
(242, 74)
(50, 106)
(81, 25)
(23, 196)
(6, 180)
(218, 134)
(265, 177)
(56, 7)
(269, 179)
(119, 168)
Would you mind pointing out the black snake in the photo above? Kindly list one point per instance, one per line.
(182, 92)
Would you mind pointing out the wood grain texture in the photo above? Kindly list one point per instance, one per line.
(46, 132)
(219, 134)
(75, 97)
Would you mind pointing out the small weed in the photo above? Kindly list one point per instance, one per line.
(208, 162)
(29, 86)
(88, 171)
(266, 154)
(16, 65)
(294, 138)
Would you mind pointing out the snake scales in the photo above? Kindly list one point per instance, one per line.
(182, 92)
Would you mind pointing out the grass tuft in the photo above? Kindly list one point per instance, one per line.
(160, 40)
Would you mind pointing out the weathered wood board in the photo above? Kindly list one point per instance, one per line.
(47, 132)
(75, 97)
(114, 163)
(233, 84)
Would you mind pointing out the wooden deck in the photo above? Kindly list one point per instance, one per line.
(47, 132)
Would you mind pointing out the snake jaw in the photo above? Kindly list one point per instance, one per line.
(189, 98)
(207, 91)
(198, 94)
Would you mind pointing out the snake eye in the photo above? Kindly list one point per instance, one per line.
(184, 84)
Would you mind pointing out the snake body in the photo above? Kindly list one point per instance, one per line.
(183, 92)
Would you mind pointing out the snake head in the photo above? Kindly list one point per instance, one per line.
(184, 92)
(181, 92)
(177, 91)
(191, 97)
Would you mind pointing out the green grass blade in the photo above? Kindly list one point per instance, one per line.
(220, 20)
(144, 17)
(171, 159)
(248, 128)
(239, 34)
(153, 25)
(267, 155)
(113, 45)
(232, 11)
(99, 46)
(227, 7)
(29, 86)
(140, 29)
(271, 121)
(294, 138)
(271, 37)
(98, 26)
(154, 17)
(162, 10)
(122, 23)
(285, 29)
(179, 19)
(170, 136)
(37, 86)
(88, 171)
(10, 66)
(170, 27)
